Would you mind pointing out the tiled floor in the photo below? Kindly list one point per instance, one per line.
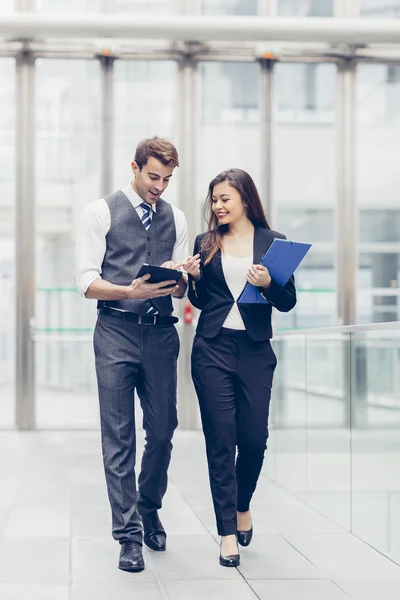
(55, 539)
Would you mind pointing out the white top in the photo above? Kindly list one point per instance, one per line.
(235, 272)
(94, 226)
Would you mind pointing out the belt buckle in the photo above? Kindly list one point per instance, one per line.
(141, 322)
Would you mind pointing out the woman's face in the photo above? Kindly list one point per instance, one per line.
(227, 204)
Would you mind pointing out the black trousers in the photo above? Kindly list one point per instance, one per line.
(128, 357)
(233, 376)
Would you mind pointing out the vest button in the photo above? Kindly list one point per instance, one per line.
(148, 239)
(149, 254)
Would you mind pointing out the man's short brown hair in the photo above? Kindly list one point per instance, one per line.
(158, 148)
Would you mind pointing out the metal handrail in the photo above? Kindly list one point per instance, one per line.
(63, 338)
(26, 25)
(340, 329)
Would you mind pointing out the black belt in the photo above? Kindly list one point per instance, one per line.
(139, 319)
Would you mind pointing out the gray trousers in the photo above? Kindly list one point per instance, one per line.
(128, 357)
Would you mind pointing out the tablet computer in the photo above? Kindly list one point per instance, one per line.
(159, 274)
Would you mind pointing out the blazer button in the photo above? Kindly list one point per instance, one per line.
(149, 254)
(148, 239)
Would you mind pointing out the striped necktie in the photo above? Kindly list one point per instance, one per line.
(146, 220)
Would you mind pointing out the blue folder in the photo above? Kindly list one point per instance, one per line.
(281, 259)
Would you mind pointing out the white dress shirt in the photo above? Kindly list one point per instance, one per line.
(235, 272)
(94, 226)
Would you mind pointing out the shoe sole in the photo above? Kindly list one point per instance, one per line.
(229, 566)
(155, 549)
(132, 569)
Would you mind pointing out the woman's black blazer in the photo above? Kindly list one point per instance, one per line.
(212, 296)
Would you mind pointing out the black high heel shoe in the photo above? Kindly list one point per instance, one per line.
(244, 537)
(233, 560)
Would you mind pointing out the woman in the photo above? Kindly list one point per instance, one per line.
(232, 359)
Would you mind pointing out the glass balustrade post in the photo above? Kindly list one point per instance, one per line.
(25, 233)
(188, 74)
(107, 122)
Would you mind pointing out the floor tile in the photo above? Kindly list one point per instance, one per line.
(291, 518)
(371, 589)
(89, 495)
(297, 589)
(210, 590)
(343, 556)
(177, 515)
(128, 588)
(10, 485)
(96, 560)
(34, 560)
(30, 591)
(56, 543)
(38, 522)
(271, 557)
(91, 522)
(4, 516)
(191, 558)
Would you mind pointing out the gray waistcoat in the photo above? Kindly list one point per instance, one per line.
(129, 245)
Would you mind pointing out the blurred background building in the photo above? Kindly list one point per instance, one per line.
(316, 122)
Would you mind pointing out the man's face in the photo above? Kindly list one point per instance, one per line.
(152, 180)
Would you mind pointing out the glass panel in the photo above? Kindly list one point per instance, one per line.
(380, 8)
(378, 182)
(288, 414)
(304, 184)
(379, 297)
(68, 143)
(64, 6)
(145, 6)
(7, 241)
(306, 8)
(376, 440)
(328, 426)
(229, 7)
(119, 6)
(7, 6)
(140, 114)
(229, 123)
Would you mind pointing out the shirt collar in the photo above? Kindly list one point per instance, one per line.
(134, 198)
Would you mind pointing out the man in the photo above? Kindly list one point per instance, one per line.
(135, 341)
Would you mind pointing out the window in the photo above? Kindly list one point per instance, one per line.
(376, 9)
(305, 8)
(229, 7)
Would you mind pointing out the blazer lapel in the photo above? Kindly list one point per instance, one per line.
(217, 260)
(262, 240)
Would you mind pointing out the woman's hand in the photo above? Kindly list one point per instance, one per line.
(259, 276)
(179, 289)
(192, 266)
(170, 264)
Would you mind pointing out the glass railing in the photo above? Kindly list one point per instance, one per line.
(335, 427)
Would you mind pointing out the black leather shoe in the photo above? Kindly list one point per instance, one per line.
(154, 535)
(131, 558)
(233, 560)
(244, 537)
(229, 561)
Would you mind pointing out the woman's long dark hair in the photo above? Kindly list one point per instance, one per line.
(244, 184)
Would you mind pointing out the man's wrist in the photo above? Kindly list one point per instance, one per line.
(126, 291)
